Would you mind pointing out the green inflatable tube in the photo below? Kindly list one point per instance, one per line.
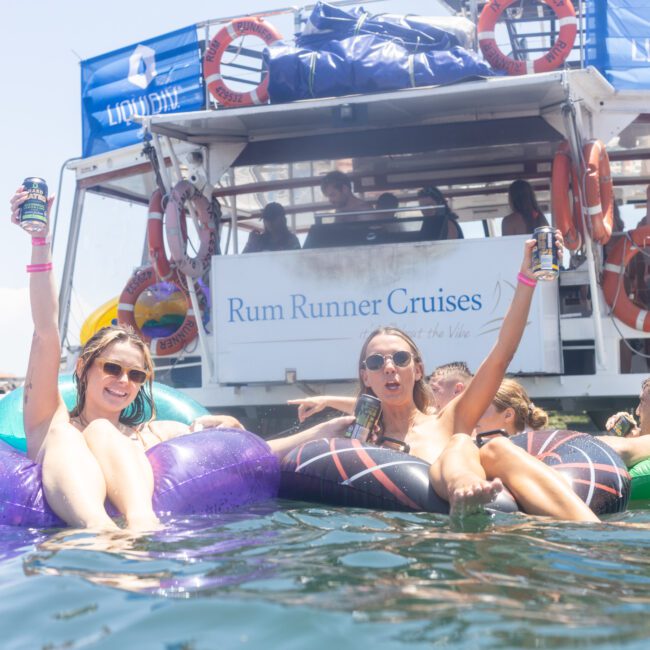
(640, 474)
(170, 403)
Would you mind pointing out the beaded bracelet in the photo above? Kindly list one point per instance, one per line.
(39, 268)
(39, 241)
(524, 279)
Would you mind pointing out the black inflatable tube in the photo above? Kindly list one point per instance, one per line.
(343, 472)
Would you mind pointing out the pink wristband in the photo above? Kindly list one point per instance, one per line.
(39, 241)
(39, 268)
(524, 279)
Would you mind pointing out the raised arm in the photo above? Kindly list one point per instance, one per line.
(42, 400)
(471, 403)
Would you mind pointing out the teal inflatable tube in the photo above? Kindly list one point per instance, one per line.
(170, 403)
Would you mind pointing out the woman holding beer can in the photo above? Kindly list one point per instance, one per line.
(97, 451)
(391, 369)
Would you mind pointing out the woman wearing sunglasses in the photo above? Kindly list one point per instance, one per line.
(97, 451)
(390, 368)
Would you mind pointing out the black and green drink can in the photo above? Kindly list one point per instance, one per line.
(33, 212)
(366, 414)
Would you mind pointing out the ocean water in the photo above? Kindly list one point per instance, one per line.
(291, 575)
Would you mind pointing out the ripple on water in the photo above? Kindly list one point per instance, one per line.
(296, 576)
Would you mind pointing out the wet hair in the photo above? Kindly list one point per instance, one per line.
(136, 412)
(456, 369)
(421, 392)
(523, 200)
(511, 394)
(645, 385)
(336, 179)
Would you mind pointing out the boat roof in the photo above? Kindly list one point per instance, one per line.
(480, 130)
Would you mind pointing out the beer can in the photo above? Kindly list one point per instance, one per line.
(33, 212)
(545, 262)
(366, 413)
(622, 426)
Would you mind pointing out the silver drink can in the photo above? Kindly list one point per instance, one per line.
(366, 414)
(33, 212)
(545, 260)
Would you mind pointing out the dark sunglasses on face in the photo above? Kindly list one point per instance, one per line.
(401, 359)
(116, 369)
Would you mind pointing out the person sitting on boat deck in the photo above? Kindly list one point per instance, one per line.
(276, 235)
(447, 381)
(511, 410)
(525, 215)
(97, 451)
(391, 369)
(439, 221)
(337, 188)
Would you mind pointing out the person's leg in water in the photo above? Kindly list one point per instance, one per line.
(457, 475)
(538, 489)
(73, 481)
(127, 472)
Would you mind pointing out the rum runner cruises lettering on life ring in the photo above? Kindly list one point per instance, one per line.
(552, 59)
(613, 284)
(249, 26)
(141, 280)
(175, 227)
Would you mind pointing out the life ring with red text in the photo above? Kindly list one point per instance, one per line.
(183, 193)
(566, 212)
(550, 60)
(142, 279)
(617, 260)
(248, 26)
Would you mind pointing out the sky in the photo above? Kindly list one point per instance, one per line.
(40, 50)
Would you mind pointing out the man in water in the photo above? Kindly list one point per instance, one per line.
(447, 381)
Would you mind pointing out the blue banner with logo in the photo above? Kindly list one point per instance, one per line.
(618, 41)
(160, 75)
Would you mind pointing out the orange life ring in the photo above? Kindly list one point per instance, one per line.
(566, 214)
(177, 232)
(599, 190)
(250, 26)
(155, 239)
(552, 59)
(141, 280)
(615, 295)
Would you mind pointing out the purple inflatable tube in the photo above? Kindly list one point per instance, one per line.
(215, 470)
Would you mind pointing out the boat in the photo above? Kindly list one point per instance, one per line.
(286, 324)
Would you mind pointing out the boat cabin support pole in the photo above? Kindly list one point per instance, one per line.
(65, 292)
(575, 139)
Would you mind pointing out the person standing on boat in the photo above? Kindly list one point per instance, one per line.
(439, 221)
(525, 215)
(97, 451)
(276, 235)
(337, 188)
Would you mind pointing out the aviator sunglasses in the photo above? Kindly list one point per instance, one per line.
(401, 359)
(115, 369)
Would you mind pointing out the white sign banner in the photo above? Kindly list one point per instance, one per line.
(311, 310)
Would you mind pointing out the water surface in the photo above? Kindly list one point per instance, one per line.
(289, 575)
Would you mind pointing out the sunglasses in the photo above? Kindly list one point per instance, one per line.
(115, 369)
(401, 359)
